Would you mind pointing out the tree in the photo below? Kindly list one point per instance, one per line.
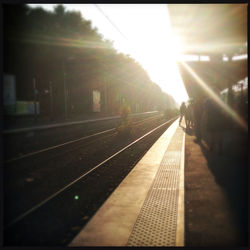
(61, 46)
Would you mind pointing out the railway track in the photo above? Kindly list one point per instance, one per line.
(17, 225)
(30, 172)
(59, 136)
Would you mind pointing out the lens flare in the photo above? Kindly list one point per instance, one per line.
(210, 92)
(61, 41)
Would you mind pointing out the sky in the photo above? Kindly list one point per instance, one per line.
(144, 32)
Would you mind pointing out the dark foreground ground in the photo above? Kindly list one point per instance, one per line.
(216, 198)
(59, 220)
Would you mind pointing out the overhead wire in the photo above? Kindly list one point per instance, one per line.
(112, 23)
(117, 29)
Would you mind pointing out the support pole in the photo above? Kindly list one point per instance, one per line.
(35, 97)
(65, 91)
(51, 100)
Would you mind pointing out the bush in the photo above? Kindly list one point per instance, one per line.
(124, 112)
(125, 126)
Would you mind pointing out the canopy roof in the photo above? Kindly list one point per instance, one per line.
(215, 74)
(210, 28)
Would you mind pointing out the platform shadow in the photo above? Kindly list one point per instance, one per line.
(230, 170)
(189, 131)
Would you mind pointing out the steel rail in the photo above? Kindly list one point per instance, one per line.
(66, 143)
(56, 146)
(20, 217)
(55, 125)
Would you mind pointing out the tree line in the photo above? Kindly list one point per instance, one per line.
(66, 56)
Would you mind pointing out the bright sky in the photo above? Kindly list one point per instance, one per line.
(146, 36)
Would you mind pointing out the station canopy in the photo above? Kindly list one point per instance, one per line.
(214, 31)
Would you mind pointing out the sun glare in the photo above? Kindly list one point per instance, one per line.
(145, 34)
(176, 46)
(236, 117)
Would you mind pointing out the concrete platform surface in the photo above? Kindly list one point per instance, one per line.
(216, 185)
(147, 208)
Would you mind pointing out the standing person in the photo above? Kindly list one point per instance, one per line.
(189, 115)
(192, 114)
(214, 124)
(197, 112)
(182, 111)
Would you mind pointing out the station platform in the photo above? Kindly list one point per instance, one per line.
(147, 208)
(178, 194)
(216, 190)
(30, 124)
(19, 124)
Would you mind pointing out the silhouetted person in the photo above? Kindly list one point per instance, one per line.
(214, 123)
(189, 115)
(197, 112)
(182, 111)
(192, 114)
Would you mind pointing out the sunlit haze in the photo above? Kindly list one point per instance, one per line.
(143, 31)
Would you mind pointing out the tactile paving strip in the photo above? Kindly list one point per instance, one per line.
(156, 224)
